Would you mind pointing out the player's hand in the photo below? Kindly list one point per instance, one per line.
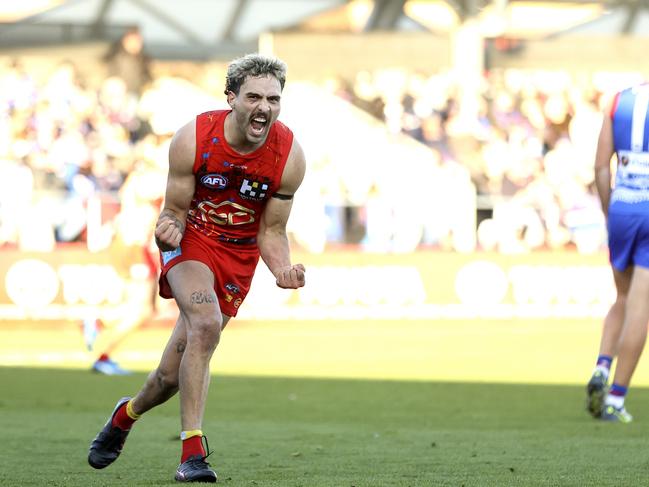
(290, 277)
(168, 232)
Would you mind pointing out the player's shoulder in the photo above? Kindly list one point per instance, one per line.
(281, 139)
(296, 151)
(296, 163)
(212, 115)
(283, 132)
(609, 102)
(612, 100)
(183, 143)
(186, 133)
(279, 125)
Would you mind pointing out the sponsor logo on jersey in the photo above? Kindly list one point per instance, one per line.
(253, 190)
(225, 213)
(170, 255)
(214, 181)
(237, 169)
(233, 288)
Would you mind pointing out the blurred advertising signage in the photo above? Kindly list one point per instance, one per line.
(73, 283)
(438, 285)
(70, 283)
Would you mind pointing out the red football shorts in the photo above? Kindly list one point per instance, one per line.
(233, 267)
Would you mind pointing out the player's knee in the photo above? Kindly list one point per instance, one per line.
(205, 333)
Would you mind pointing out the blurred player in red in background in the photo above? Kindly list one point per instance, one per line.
(625, 133)
(136, 259)
(232, 177)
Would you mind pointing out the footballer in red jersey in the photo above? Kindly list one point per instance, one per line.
(231, 192)
(232, 177)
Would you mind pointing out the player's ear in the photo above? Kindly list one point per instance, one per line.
(230, 98)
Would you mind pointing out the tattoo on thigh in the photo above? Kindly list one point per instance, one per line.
(180, 346)
(200, 297)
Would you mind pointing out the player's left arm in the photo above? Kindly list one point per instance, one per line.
(272, 239)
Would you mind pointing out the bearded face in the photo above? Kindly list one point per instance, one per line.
(255, 109)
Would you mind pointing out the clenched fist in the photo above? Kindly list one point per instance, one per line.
(168, 232)
(290, 277)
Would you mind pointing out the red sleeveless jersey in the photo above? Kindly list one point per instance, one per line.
(232, 189)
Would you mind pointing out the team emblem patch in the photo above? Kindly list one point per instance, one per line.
(253, 190)
(214, 181)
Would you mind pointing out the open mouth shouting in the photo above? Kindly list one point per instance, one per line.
(258, 124)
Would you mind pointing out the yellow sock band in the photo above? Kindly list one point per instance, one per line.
(185, 435)
(129, 411)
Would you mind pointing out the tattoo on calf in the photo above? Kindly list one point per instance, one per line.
(200, 297)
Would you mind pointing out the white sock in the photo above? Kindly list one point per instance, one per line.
(616, 401)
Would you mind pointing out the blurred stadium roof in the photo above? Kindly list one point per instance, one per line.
(213, 29)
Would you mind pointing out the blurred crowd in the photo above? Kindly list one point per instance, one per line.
(529, 147)
(64, 144)
(84, 161)
(402, 165)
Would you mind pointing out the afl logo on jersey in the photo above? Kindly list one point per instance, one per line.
(214, 181)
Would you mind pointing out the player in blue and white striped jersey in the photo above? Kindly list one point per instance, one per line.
(625, 133)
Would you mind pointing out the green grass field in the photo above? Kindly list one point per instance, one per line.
(324, 432)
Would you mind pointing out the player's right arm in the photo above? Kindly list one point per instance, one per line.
(180, 189)
(605, 150)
